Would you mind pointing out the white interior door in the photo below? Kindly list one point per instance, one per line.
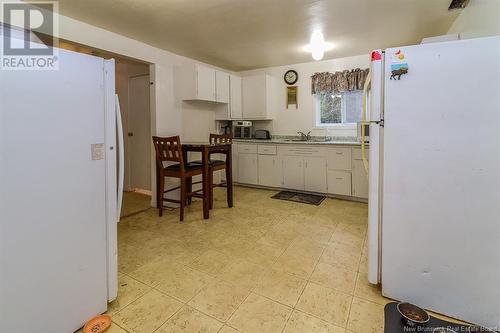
(53, 232)
(139, 136)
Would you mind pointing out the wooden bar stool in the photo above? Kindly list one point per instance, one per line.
(170, 150)
(215, 164)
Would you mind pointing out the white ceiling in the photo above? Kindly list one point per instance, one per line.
(246, 34)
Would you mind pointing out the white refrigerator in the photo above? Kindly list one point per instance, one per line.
(434, 176)
(58, 194)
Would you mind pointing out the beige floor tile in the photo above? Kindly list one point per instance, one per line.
(363, 265)
(134, 202)
(325, 303)
(210, 262)
(242, 273)
(183, 283)
(348, 238)
(264, 255)
(219, 299)
(300, 322)
(366, 317)
(281, 286)
(147, 313)
(339, 254)
(153, 272)
(190, 320)
(128, 291)
(260, 314)
(296, 264)
(368, 291)
(227, 329)
(335, 277)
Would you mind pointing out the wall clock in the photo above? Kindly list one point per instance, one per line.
(291, 77)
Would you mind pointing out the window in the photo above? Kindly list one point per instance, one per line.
(338, 108)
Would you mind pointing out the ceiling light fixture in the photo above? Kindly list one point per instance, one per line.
(317, 45)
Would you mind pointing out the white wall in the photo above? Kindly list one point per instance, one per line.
(289, 121)
(480, 18)
(170, 116)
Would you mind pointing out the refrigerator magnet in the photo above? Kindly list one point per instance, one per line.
(399, 66)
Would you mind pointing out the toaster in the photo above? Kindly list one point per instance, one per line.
(262, 135)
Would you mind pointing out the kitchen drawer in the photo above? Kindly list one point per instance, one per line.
(266, 149)
(356, 153)
(301, 150)
(339, 182)
(247, 149)
(339, 159)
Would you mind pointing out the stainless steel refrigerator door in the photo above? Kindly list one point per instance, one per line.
(441, 189)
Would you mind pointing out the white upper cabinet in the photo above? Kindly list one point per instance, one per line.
(221, 87)
(200, 82)
(257, 96)
(235, 106)
(205, 83)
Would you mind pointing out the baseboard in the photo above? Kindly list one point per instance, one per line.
(141, 191)
(328, 195)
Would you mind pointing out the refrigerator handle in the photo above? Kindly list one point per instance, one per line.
(121, 158)
(363, 120)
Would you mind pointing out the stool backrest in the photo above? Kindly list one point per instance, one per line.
(221, 138)
(168, 149)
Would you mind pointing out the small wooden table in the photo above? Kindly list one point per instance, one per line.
(206, 149)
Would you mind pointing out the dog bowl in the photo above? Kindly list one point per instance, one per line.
(413, 315)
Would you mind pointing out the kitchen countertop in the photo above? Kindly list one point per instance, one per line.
(287, 141)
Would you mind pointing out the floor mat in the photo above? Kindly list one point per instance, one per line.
(310, 199)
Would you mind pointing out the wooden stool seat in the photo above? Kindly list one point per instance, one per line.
(170, 150)
(217, 165)
(187, 167)
(211, 162)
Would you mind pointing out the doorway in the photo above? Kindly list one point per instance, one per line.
(133, 89)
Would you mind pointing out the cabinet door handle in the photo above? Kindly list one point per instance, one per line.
(338, 153)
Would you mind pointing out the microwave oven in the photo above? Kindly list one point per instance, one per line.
(242, 129)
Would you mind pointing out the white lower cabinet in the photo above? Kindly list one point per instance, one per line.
(293, 172)
(315, 174)
(359, 180)
(269, 171)
(339, 182)
(335, 170)
(247, 168)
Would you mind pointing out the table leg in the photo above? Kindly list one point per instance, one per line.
(206, 184)
(229, 177)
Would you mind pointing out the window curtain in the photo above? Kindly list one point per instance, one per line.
(347, 80)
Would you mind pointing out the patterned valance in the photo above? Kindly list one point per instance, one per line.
(339, 81)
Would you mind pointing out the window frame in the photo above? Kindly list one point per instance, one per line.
(317, 116)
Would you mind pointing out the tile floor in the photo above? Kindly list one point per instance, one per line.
(134, 202)
(263, 266)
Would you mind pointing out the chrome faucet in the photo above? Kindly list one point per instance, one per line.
(305, 137)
